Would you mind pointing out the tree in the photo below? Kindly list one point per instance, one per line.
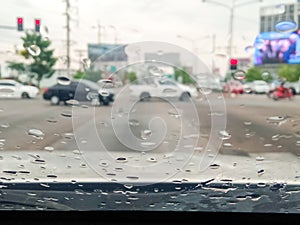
(36, 49)
(19, 67)
(186, 78)
(254, 73)
(290, 72)
(88, 75)
(131, 76)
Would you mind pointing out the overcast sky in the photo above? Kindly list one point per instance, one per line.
(135, 21)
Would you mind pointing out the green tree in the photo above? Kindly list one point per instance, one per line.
(19, 67)
(254, 73)
(186, 78)
(131, 76)
(88, 75)
(37, 50)
(290, 72)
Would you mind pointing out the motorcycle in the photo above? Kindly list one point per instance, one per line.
(281, 93)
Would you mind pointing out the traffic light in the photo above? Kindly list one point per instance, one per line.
(20, 24)
(37, 23)
(233, 64)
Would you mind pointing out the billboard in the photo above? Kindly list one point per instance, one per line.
(107, 52)
(275, 47)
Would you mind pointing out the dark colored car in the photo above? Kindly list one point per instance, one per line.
(81, 91)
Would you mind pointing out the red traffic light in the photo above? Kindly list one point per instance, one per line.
(20, 20)
(37, 22)
(234, 61)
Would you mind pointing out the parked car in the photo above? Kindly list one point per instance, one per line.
(14, 89)
(247, 88)
(260, 87)
(163, 88)
(82, 91)
(233, 86)
(294, 86)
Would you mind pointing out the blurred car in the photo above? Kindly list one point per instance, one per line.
(234, 86)
(81, 91)
(247, 88)
(14, 89)
(260, 87)
(294, 86)
(163, 88)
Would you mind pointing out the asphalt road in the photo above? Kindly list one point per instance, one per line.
(254, 124)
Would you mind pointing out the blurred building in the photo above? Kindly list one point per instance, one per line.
(171, 58)
(271, 15)
(107, 57)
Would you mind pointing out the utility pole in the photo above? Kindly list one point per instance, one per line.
(80, 55)
(68, 34)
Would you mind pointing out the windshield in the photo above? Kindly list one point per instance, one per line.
(150, 105)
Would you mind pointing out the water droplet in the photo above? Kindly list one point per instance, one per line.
(106, 83)
(86, 63)
(121, 159)
(5, 125)
(104, 163)
(134, 122)
(214, 166)
(128, 186)
(247, 123)
(155, 71)
(63, 80)
(239, 75)
(49, 148)
(261, 172)
(36, 133)
(268, 145)
(34, 50)
(224, 135)
(145, 134)
(174, 113)
(160, 52)
(132, 178)
(249, 49)
(199, 148)
(66, 114)
(76, 152)
(265, 75)
(51, 120)
(72, 102)
(227, 145)
(104, 93)
(52, 176)
(276, 120)
(83, 165)
(298, 143)
(152, 159)
(286, 26)
(147, 144)
(259, 158)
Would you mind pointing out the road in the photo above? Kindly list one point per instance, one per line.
(72, 128)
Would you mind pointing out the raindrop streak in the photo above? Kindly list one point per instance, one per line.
(36, 133)
(34, 50)
(286, 26)
(224, 135)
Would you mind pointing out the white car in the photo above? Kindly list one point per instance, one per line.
(163, 89)
(260, 87)
(13, 89)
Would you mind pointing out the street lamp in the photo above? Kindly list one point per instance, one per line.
(231, 9)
